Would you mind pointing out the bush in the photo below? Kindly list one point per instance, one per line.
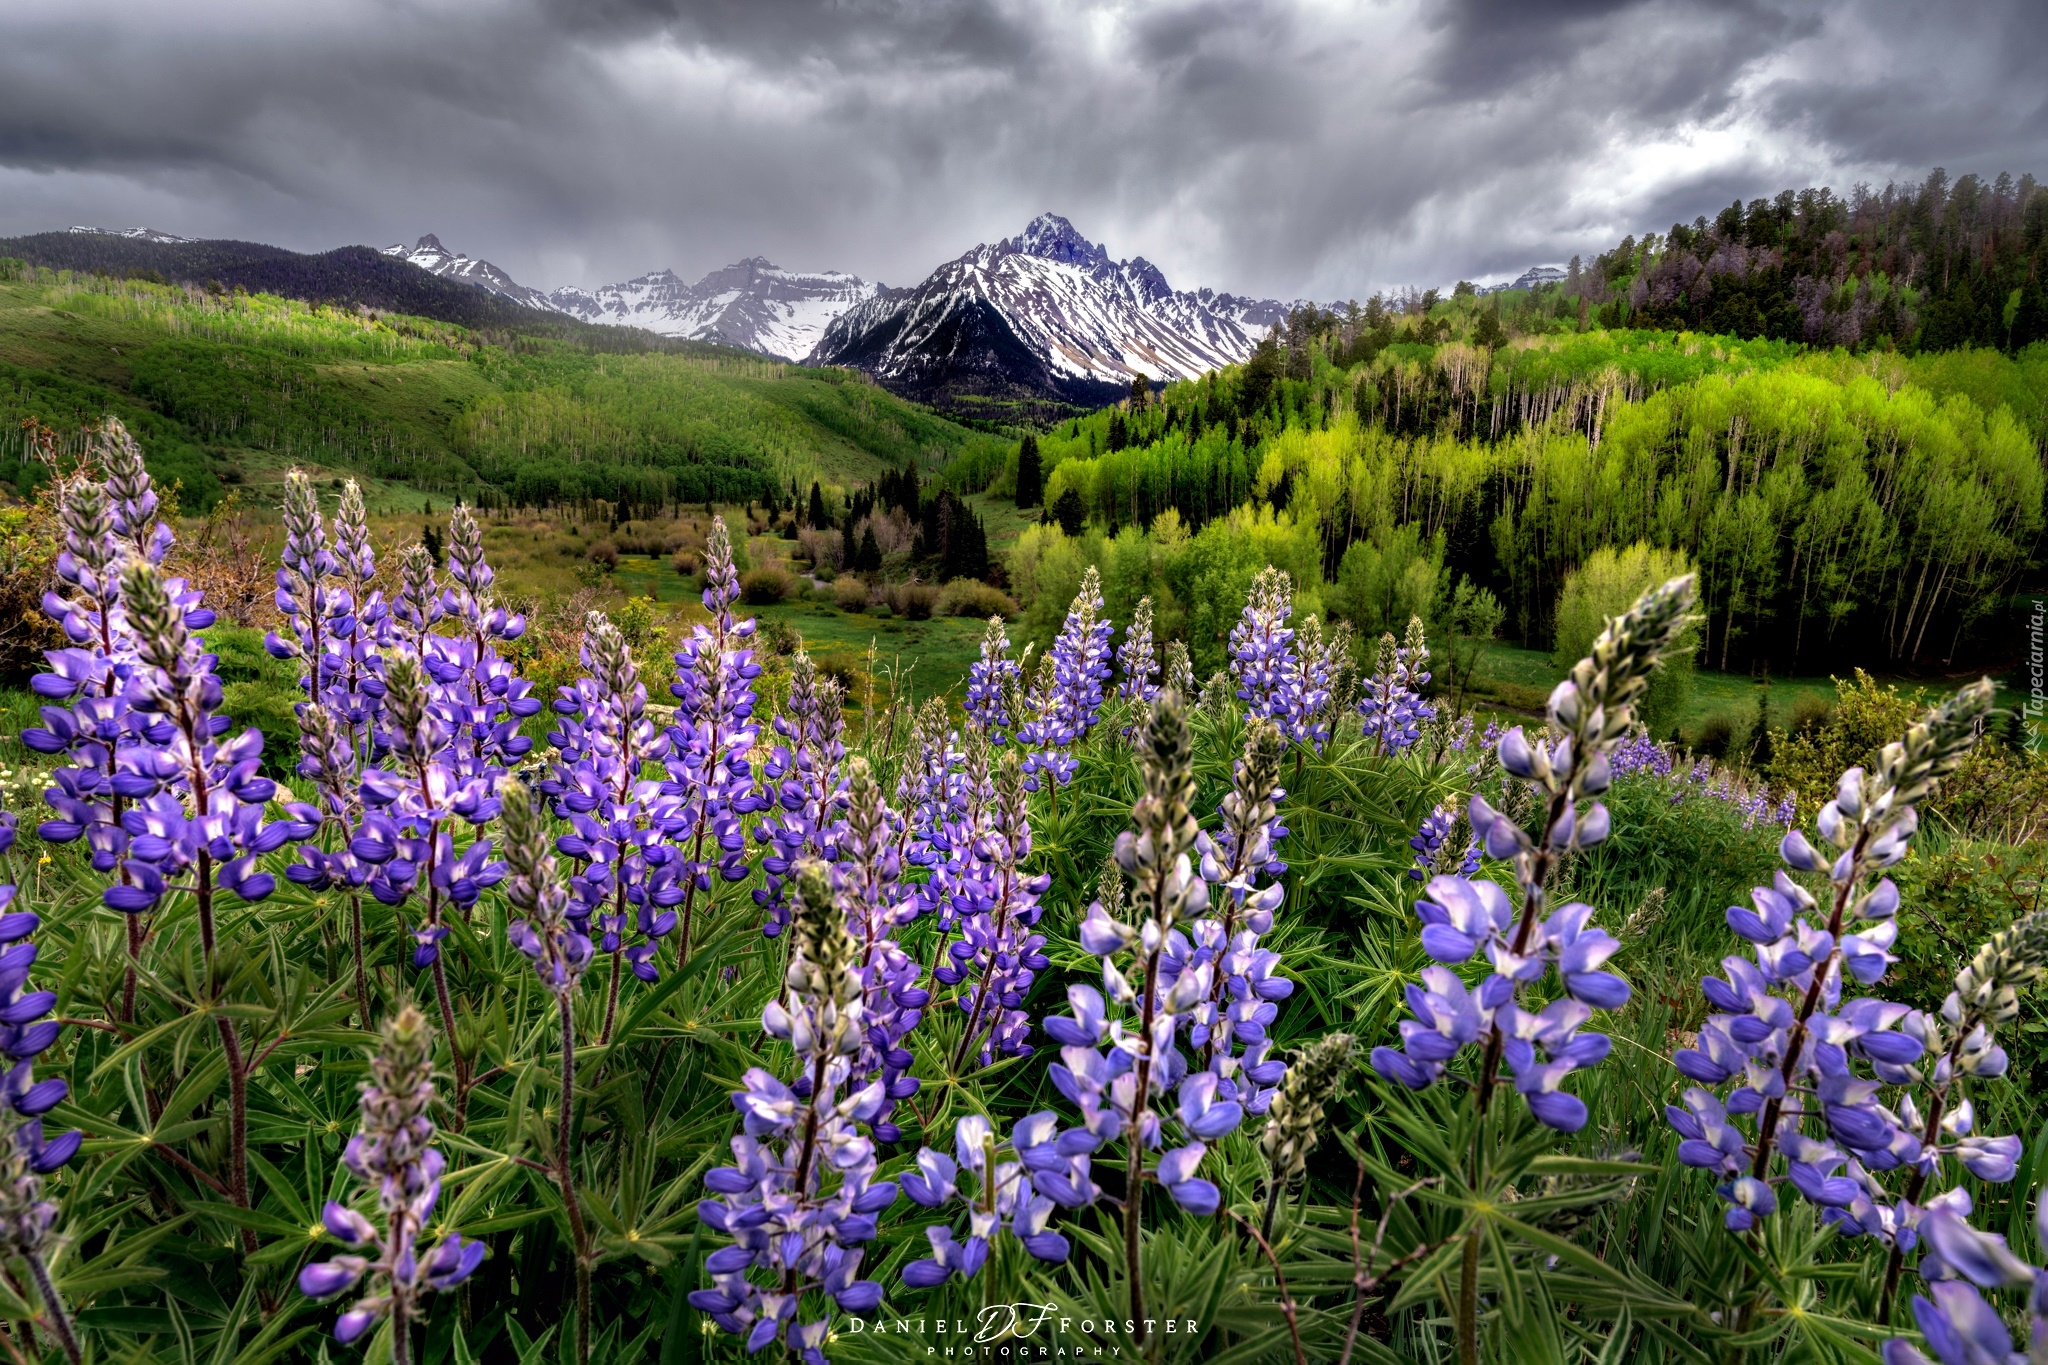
(765, 586)
(604, 554)
(972, 597)
(1716, 734)
(850, 593)
(913, 601)
(1604, 586)
(1864, 719)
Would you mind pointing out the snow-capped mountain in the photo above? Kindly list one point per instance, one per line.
(141, 234)
(1529, 279)
(1047, 313)
(429, 255)
(753, 304)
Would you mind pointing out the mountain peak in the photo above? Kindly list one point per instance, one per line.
(431, 243)
(1054, 239)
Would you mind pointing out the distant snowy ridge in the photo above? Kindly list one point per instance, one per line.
(145, 234)
(1045, 313)
(753, 304)
(1531, 278)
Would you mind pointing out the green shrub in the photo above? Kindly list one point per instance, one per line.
(1603, 587)
(765, 586)
(972, 597)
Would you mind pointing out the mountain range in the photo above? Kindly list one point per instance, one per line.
(1047, 315)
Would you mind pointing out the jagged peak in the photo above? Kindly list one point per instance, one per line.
(1053, 238)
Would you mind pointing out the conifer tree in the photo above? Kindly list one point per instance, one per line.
(1030, 478)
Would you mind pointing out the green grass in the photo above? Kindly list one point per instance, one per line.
(230, 391)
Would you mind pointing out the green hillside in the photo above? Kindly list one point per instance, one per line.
(228, 389)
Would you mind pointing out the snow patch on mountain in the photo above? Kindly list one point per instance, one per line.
(753, 304)
(1045, 311)
(143, 234)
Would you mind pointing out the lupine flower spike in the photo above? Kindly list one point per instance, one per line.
(26, 1218)
(990, 680)
(800, 1199)
(1067, 699)
(1590, 711)
(1783, 1032)
(1119, 1089)
(1393, 707)
(560, 953)
(607, 782)
(393, 1154)
(1270, 680)
(1136, 659)
(801, 788)
(714, 728)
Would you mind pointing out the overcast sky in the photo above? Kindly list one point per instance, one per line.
(1298, 148)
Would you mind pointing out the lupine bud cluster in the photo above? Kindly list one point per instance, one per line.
(393, 1154)
(1326, 670)
(608, 784)
(1783, 1035)
(1136, 659)
(1180, 669)
(803, 790)
(1118, 1059)
(994, 1193)
(1067, 698)
(1463, 917)
(1295, 1117)
(800, 1199)
(1392, 705)
(546, 933)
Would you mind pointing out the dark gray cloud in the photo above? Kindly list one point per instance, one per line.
(1291, 147)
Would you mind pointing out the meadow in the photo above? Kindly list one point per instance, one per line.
(476, 1020)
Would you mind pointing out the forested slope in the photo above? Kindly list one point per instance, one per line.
(227, 387)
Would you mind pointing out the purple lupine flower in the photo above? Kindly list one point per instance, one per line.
(1463, 918)
(802, 788)
(1231, 1023)
(407, 833)
(1393, 707)
(484, 699)
(997, 956)
(25, 1216)
(929, 786)
(1268, 669)
(1067, 700)
(393, 1153)
(314, 611)
(1782, 1032)
(198, 803)
(800, 1199)
(608, 785)
(546, 932)
(1136, 660)
(416, 608)
(958, 850)
(92, 674)
(878, 902)
(1118, 1063)
(994, 1193)
(713, 731)
(354, 689)
(1437, 852)
(1639, 754)
(990, 680)
(1957, 1323)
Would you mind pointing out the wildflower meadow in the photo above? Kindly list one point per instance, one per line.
(700, 1011)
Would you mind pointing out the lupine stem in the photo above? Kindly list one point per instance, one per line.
(1134, 1201)
(1532, 899)
(1468, 1300)
(1280, 1283)
(565, 1135)
(1767, 1122)
(355, 933)
(1937, 1106)
(58, 1321)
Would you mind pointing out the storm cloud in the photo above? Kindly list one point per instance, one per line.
(1282, 147)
